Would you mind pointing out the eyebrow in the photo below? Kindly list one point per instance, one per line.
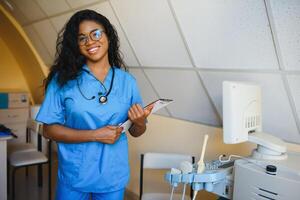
(89, 32)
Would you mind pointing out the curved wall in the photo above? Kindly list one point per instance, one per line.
(24, 69)
(10, 74)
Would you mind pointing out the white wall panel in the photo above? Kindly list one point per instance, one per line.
(294, 83)
(47, 34)
(30, 9)
(286, 17)
(37, 43)
(53, 7)
(152, 31)
(59, 21)
(147, 92)
(277, 115)
(231, 34)
(191, 102)
(106, 10)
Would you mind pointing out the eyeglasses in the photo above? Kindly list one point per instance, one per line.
(94, 35)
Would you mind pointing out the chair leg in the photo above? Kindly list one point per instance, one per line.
(40, 176)
(49, 168)
(13, 183)
(8, 182)
(49, 180)
(26, 172)
(141, 176)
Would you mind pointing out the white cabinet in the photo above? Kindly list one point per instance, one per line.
(14, 100)
(14, 113)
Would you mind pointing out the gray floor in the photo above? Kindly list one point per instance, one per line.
(27, 187)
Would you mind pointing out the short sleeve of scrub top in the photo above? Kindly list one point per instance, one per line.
(52, 109)
(91, 166)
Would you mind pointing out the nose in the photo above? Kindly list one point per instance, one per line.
(89, 41)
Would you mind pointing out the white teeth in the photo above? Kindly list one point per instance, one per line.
(93, 50)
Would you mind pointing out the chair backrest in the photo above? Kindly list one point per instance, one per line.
(34, 126)
(37, 129)
(162, 161)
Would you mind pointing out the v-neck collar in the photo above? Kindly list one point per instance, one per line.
(107, 78)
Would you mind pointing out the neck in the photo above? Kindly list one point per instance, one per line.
(100, 68)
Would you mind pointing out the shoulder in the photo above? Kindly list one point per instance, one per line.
(53, 82)
(54, 85)
(124, 75)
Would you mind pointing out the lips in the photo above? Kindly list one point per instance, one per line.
(93, 50)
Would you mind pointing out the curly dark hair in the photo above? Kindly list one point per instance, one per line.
(68, 60)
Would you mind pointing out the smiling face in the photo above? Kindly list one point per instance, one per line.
(93, 42)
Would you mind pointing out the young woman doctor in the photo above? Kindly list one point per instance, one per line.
(87, 96)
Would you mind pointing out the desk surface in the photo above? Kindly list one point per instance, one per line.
(5, 137)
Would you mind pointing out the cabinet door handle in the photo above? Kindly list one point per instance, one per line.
(12, 116)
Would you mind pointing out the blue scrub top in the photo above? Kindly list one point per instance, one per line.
(91, 166)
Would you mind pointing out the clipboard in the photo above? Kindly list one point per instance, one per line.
(158, 104)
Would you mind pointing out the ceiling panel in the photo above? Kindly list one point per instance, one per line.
(53, 7)
(277, 115)
(294, 83)
(47, 34)
(30, 9)
(59, 21)
(190, 101)
(106, 10)
(37, 43)
(147, 92)
(16, 12)
(286, 17)
(80, 3)
(152, 31)
(230, 34)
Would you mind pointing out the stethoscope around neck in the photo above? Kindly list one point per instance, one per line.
(103, 97)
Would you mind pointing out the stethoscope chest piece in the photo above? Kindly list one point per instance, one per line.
(102, 99)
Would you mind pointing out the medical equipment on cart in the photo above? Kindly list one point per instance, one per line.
(269, 173)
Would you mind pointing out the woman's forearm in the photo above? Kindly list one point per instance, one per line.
(137, 130)
(61, 133)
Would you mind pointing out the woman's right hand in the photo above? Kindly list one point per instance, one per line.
(108, 134)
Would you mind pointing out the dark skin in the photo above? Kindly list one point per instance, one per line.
(138, 117)
(97, 60)
(107, 134)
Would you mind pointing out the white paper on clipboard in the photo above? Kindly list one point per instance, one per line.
(158, 104)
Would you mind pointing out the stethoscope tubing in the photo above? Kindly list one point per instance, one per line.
(102, 98)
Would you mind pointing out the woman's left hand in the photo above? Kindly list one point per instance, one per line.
(138, 115)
